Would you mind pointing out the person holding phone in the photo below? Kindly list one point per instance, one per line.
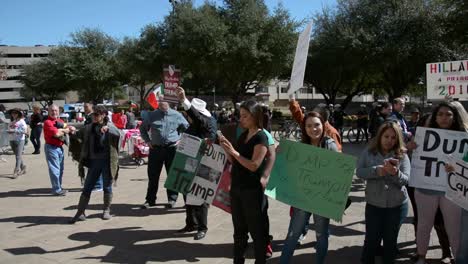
(248, 180)
(386, 168)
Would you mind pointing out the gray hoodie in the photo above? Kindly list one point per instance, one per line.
(383, 191)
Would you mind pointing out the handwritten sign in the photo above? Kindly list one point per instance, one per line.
(428, 159)
(300, 59)
(457, 187)
(447, 79)
(312, 179)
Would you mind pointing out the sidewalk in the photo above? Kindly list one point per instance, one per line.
(34, 229)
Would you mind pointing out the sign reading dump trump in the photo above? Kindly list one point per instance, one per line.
(428, 159)
(196, 170)
(312, 179)
(447, 79)
(457, 187)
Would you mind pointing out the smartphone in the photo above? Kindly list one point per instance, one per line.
(393, 161)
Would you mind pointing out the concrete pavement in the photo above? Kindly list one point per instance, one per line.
(34, 229)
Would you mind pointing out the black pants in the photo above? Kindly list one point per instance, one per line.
(248, 216)
(439, 225)
(196, 216)
(267, 219)
(158, 157)
(381, 224)
(36, 138)
(366, 135)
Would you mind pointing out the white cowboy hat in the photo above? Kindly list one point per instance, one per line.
(200, 106)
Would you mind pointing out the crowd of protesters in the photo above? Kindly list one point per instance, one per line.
(385, 165)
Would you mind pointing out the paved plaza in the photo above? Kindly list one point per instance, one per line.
(34, 229)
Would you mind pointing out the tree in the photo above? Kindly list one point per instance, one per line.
(45, 80)
(90, 64)
(233, 47)
(336, 65)
(402, 36)
(141, 60)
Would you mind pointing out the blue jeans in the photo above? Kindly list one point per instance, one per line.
(98, 168)
(17, 147)
(55, 159)
(296, 226)
(462, 255)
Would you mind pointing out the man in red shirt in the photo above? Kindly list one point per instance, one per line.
(54, 130)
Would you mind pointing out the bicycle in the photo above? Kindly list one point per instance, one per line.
(355, 135)
(288, 129)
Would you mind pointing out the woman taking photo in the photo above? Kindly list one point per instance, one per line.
(248, 182)
(16, 130)
(312, 128)
(444, 116)
(386, 168)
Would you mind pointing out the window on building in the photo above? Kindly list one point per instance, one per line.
(261, 90)
(306, 90)
(284, 89)
(40, 55)
(23, 55)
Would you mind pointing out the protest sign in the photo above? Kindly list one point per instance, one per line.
(171, 82)
(428, 159)
(300, 59)
(223, 198)
(196, 170)
(457, 187)
(184, 165)
(312, 179)
(447, 79)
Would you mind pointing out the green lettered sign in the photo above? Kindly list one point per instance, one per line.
(312, 179)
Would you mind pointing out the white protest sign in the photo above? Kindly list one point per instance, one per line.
(189, 145)
(447, 79)
(428, 159)
(208, 175)
(300, 59)
(457, 187)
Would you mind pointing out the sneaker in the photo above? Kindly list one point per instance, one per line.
(61, 193)
(97, 190)
(147, 205)
(269, 251)
(170, 205)
(186, 229)
(446, 260)
(301, 240)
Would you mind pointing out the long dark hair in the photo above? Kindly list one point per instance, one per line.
(456, 124)
(255, 109)
(305, 138)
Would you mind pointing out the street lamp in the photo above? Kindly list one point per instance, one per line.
(421, 84)
(214, 95)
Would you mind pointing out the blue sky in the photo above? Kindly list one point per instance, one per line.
(50, 22)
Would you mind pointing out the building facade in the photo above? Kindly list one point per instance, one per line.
(12, 60)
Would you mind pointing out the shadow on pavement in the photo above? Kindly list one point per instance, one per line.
(132, 245)
(40, 192)
(31, 221)
(130, 210)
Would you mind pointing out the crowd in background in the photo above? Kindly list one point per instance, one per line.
(385, 165)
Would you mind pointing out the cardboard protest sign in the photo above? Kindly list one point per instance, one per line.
(300, 60)
(447, 79)
(184, 165)
(428, 159)
(457, 187)
(171, 82)
(312, 179)
(196, 170)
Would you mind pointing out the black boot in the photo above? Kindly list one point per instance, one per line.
(106, 215)
(80, 213)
